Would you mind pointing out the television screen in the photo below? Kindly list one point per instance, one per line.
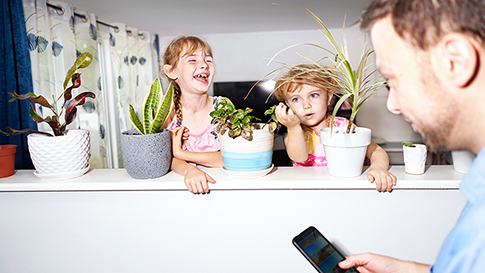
(259, 99)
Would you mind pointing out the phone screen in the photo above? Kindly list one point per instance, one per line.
(319, 251)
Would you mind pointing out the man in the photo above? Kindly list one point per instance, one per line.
(432, 52)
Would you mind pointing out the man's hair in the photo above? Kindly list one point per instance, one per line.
(425, 22)
(312, 74)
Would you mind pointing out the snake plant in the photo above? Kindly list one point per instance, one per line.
(155, 109)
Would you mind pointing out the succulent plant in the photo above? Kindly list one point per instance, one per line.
(69, 105)
(155, 109)
(238, 122)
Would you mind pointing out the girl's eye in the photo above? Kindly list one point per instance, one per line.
(314, 95)
(295, 100)
(208, 61)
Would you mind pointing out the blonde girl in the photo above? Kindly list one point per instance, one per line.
(306, 89)
(188, 64)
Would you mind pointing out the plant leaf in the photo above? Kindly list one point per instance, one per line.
(135, 121)
(83, 61)
(163, 110)
(71, 106)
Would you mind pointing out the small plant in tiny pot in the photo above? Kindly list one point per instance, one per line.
(239, 122)
(61, 118)
(408, 143)
(147, 150)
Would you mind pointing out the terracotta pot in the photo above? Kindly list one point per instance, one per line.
(7, 160)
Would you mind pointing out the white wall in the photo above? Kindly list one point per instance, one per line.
(244, 57)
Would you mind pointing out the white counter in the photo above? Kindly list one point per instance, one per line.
(435, 177)
(105, 221)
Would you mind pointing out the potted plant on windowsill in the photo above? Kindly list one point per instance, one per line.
(345, 149)
(147, 150)
(65, 153)
(414, 157)
(246, 144)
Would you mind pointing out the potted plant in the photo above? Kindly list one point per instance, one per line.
(414, 157)
(246, 144)
(7, 160)
(345, 150)
(462, 161)
(64, 153)
(147, 150)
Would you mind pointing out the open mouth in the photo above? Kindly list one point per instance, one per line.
(203, 78)
(308, 116)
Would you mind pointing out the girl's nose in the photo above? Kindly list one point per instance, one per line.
(203, 65)
(393, 103)
(306, 105)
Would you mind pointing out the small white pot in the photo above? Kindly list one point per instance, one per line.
(415, 158)
(345, 153)
(60, 154)
(462, 161)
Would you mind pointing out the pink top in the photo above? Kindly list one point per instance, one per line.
(206, 141)
(316, 153)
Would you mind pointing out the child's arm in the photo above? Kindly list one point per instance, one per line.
(209, 159)
(195, 179)
(379, 164)
(294, 139)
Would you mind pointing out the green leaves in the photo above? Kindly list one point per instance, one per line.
(238, 122)
(54, 121)
(83, 61)
(155, 109)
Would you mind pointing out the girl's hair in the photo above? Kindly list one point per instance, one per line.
(312, 74)
(179, 47)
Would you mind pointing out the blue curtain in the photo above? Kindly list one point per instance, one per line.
(15, 75)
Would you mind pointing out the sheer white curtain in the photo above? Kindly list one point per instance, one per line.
(125, 62)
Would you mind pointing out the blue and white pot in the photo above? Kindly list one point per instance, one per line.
(241, 155)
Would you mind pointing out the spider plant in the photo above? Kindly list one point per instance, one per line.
(353, 86)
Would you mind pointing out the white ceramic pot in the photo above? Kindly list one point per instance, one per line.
(462, 160)
(67, 155)
(241, 155)
(414, 158)
(345, 153)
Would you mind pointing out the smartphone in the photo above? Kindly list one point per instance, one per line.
(319, 251)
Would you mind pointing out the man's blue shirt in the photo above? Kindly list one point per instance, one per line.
(464, 248)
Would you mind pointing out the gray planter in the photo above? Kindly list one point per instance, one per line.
(146, 156)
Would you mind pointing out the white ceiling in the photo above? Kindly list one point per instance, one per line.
(201, 17)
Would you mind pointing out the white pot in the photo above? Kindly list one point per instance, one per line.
(241, 155)
(67, 154)
(462, 160)
(345, 153)
(414, 158)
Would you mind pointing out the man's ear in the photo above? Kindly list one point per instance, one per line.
(459, 57)
(167, 69)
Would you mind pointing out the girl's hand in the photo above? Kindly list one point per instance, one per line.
(384, 180)
(286, 116)
(179, 136)
(196, 181)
